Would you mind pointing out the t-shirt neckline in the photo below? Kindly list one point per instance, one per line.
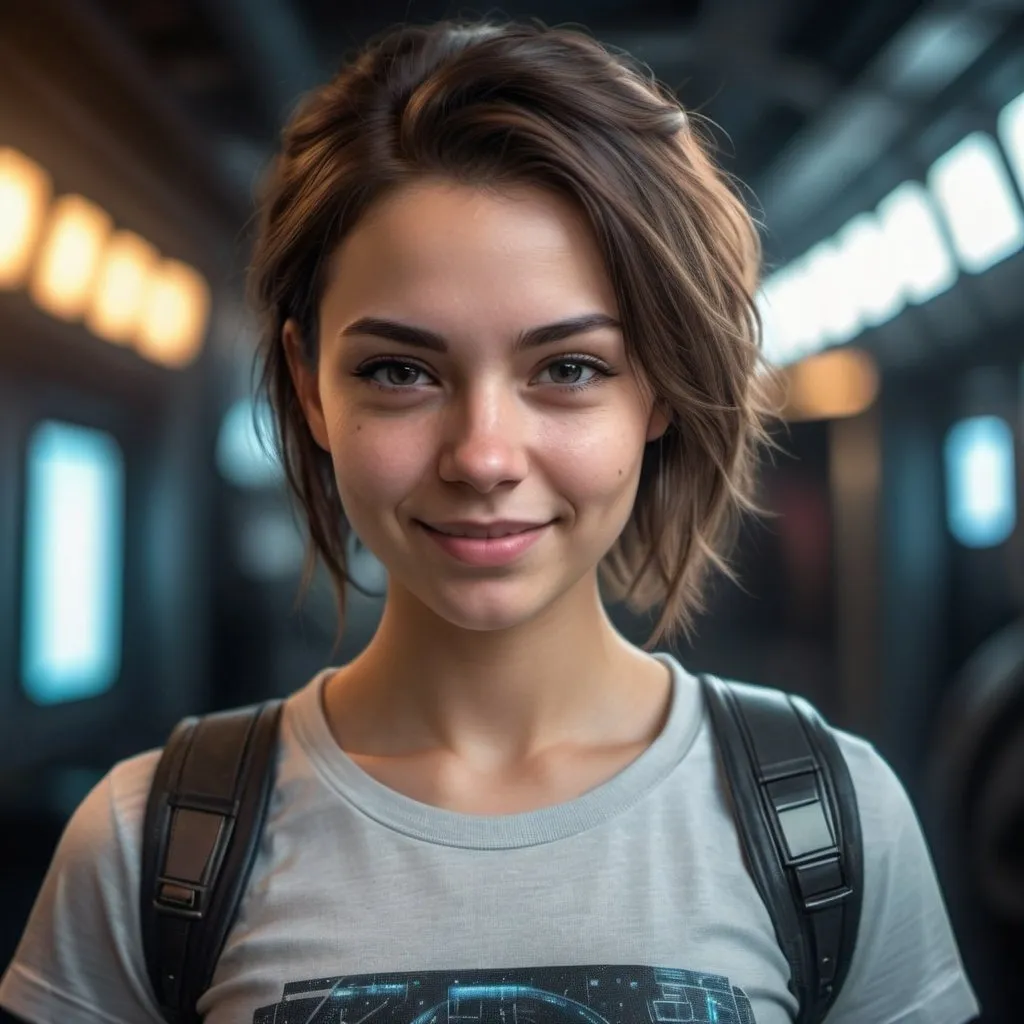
(304, 716)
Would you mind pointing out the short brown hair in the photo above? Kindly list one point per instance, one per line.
(501, 104)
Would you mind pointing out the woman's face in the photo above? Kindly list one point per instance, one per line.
(472, 379)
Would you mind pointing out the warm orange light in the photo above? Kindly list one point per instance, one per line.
(24, 192)
(174, 316)
(70, 255)
(830, 385)
(119, 295)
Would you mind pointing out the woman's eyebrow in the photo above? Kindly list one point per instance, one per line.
(420, 337)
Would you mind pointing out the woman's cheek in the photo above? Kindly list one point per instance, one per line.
(600, 462)
(378, 461)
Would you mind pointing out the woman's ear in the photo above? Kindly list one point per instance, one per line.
(658, 422)
(306, 383)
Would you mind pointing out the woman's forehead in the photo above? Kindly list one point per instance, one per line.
(460, 252)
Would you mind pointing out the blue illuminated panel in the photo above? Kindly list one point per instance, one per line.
(981, 504)
(241, 456)
(74, 535)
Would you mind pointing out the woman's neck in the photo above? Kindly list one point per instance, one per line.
(567, 678)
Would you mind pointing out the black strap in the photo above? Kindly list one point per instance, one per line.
(796, 813)
(204, 816)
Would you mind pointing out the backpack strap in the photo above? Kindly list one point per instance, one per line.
(205, 812)
(796, 813)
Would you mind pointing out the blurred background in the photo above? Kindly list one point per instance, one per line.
(149, 560)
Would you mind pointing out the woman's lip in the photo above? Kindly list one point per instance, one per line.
(495, 529)
(486, 552)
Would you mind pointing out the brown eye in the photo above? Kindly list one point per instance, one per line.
(566, 373)
(575, 373)
(400, 374)
(392, 374)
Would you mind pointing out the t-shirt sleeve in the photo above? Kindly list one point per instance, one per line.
(80, 957)
(906, 967)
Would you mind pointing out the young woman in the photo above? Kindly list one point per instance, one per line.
(511, 343)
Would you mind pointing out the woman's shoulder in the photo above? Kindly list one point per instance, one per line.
(91, 888)
(111, 815)
(880, 791)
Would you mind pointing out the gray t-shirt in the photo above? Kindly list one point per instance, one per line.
(629, 903)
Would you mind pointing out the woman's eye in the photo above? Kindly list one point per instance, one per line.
(571, 373)
(392, 374)
(400, 374)
(397, 375)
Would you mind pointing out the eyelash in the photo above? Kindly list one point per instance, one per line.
(604, 371)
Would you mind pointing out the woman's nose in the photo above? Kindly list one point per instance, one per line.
(484, 444)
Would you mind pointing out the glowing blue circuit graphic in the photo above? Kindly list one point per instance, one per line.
(544, 995)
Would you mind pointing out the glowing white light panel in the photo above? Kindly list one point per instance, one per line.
(791, 330)
(862, 277)
(71, 621)
(980, 483)
(974, 191)
(909, 250)
(919, 258)
(832, 303)
(1011, 135)
(871, 274)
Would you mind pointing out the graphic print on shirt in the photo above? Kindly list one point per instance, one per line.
(542, 995)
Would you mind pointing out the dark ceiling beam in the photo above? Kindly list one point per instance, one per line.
(273, 51)
(729, 64)
(909, 82)
(674, 55)
(745, 35)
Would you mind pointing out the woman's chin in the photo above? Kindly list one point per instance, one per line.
(487, 607)
(493, 619)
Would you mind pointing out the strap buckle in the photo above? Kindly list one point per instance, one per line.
(177, 899)
(821, 883)
(807, 838)
(197, 841)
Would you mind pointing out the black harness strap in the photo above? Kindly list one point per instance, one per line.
(796, 812)
(203, 821)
